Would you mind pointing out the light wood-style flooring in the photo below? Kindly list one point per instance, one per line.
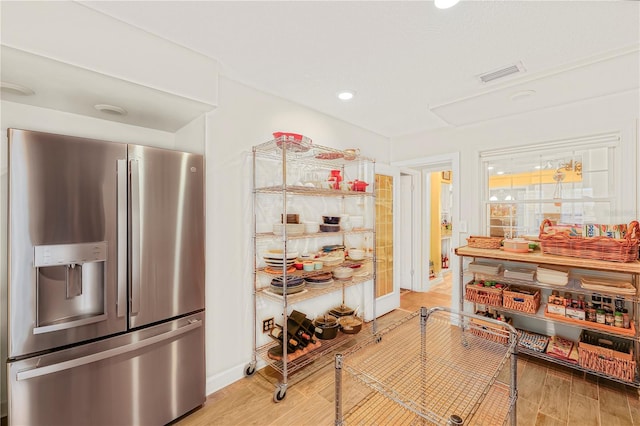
(548, 394)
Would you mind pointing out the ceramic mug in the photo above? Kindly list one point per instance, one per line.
(351, 153)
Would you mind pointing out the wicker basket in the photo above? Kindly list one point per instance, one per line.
(484, 242)
(490, 331)
(485, 295)
(605, 360)
(600, 248)
(514, 298)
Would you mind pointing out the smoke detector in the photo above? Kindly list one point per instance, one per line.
(502, 72)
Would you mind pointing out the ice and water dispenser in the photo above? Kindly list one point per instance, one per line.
(70, 285)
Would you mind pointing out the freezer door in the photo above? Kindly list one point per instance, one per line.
(167, 234)
(64, 196)
(148, 377)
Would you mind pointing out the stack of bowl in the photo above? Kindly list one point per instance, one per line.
(274, 258)
(330, 224)
(342, 273)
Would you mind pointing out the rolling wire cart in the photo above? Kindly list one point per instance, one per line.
(437, 367)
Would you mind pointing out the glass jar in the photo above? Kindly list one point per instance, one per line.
(600, 316)
(625, 319)
(609, 318)
(590, 313)
(618, 321)
(581, 302)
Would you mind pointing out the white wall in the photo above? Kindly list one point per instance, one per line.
(619, 112)
(245, 118)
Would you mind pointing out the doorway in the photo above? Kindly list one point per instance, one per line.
(435, 189)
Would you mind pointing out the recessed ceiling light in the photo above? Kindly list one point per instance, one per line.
(490, 168)
(500, 173)
(15, 89)
(346, 95)
(445, 4)
(523, 94)
(110, 109)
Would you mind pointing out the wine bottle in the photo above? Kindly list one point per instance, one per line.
(277, 333)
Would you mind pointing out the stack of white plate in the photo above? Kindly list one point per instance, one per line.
(519, 273)
(485, 268)
(292, 228)
(555, 276)
(275, 259)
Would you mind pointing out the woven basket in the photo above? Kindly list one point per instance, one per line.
(484, 242)
(600, 248)
(490, 331)
(484, 295)
(607, 361)
(512, 299)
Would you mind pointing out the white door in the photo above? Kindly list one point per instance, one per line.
(387, 239)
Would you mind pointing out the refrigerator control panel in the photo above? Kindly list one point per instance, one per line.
(65, 254)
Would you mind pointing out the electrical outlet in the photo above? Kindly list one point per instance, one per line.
(267, 325)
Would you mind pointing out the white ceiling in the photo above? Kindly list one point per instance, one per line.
(414, 67)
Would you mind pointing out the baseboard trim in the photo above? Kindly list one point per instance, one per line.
(227, 377)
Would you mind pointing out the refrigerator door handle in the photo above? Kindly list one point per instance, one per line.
(99, 356)
(123, 173)
(135, 237)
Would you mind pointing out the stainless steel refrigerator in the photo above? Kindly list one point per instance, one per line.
(106, 282)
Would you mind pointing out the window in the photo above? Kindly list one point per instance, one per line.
(569, 182)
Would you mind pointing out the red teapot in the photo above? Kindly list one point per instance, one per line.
(359, 185)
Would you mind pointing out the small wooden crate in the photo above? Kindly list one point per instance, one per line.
(619, 364)
(521, 299)
(490, 331)
(485, 295)
(484, 242)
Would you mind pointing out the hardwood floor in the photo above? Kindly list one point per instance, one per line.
(548, 394)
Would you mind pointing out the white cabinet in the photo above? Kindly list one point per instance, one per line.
(623, 343)
(297, 181)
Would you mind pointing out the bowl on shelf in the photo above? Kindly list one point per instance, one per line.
(356, 254)
(324, 227)
(292, 228)
(294, 142)
(277, 254)
(331, 220)
(350, 324)
(342, 273)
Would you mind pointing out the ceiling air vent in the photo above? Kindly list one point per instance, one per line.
(502, 72)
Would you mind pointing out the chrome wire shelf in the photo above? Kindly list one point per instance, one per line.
(312, 292)
(271, 235)
(585, 325)
(307, 152)
(304, 190)
(445, 370)
(573, 286)
(576, 366)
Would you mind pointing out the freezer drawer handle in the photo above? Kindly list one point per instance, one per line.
(66, 365)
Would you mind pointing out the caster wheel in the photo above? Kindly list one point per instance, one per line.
(378, 339)
(249, 370)
(279, 394)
